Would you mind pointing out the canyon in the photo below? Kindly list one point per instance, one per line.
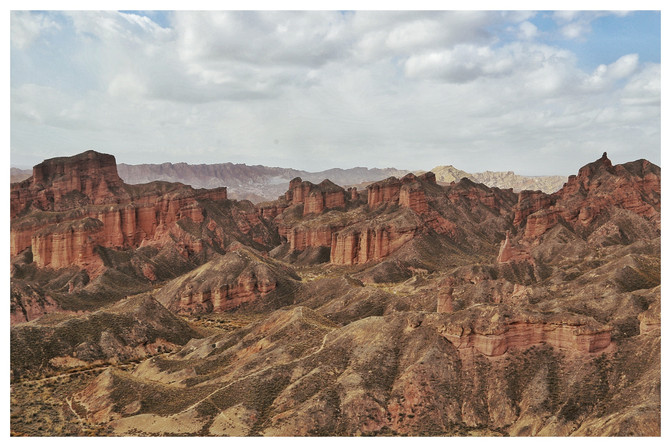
(414, 304)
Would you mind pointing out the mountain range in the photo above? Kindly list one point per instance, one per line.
(262, 183)
(414, 305)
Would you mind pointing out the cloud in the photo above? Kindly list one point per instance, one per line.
(644, 87)
(604, 75)
(27, 27)
(465, 63)
(527, 30)
(410, 89)
(578, 24)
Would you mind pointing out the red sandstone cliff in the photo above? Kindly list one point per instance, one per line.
(413, 205)
(633, 186)
(408, 191)
(72, 205)
(65, 183)
(315, 198)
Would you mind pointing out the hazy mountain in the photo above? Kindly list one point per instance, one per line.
(507, 179)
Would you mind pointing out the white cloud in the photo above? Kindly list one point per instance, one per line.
(575, 29)
(604, 75)
(465, 63)
(644, 87)
(409, 89)
(27, 27)
(578, 24)
(527, 30)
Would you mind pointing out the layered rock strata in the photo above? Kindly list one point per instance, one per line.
(510, 253)
(315, 198)
(587, 196)
(497, 329)
(523, 335)
(227, 282)
(67, 182)
(73, 204)
(408, 191)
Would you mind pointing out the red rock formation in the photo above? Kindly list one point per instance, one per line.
(540, 222)
(408, 192)
(384, 191)
(508, 253)
(525, 334)
(71, 243)
(315, 198)
(444, 304)
(314, 203)
(475, 194)
(369, 244)
(68, 182)
(82, 203)
(413, 196)
(300, 238)
(230, 281)
(270, 211)
(597, 187)
(528, 203)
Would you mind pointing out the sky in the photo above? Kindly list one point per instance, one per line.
(538, 93)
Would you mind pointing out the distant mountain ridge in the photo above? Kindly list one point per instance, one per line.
(19, 175)
(260, 183)
(501, 179)
(256, 183)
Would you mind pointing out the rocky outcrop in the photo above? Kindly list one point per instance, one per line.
(70, 243)
(528, 203)
(509, 253)
(301, 238)
(589, 195)
(370, 244)
(250, 285)
(408, 191)
(68, 182)
(385, 191)
(241, 276)
(72, 238)
(495, 330)
(522, 335)
(445, 298)
(413, 196)
(315, 198)
(71, 205)
(374, 240)
(270, 210)
(474, 195)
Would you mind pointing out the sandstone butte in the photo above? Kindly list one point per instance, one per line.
(71, 205)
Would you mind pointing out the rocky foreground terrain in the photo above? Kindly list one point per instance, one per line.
(411, 306)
